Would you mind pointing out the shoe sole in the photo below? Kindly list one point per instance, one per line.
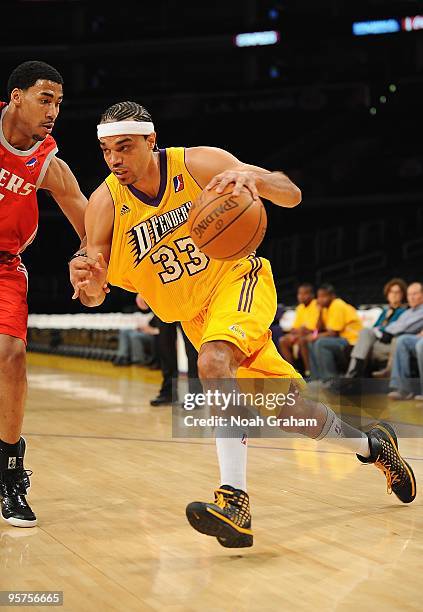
(202, 520)
(19, 522)
(387, 429)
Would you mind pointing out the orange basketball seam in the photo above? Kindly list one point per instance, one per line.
(252, 238)
(211, 202)
(229, 224)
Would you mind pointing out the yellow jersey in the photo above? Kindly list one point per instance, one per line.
(307, 315)
(343, 318)
(152, 252)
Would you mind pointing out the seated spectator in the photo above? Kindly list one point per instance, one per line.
(138, 346)
(408, 346)
(306, 316)
(368, 344)
(336, 333)
(378, 342)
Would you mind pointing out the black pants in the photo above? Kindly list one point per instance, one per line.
(169, 360)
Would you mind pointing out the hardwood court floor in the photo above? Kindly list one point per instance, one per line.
(110, 487)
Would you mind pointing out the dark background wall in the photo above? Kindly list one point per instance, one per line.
(340, 114)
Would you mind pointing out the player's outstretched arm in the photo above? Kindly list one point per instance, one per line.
(60, 181)
(217, 169)
(89, 274)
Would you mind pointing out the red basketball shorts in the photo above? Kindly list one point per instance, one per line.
(13, 302)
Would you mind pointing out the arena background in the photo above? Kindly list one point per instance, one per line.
(339, 113)
(334, 101)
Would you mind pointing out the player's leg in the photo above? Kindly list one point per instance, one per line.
(232, 332)
(378, 446)
(228, 518)
(12, 387)
(14, 480)
(243, 324)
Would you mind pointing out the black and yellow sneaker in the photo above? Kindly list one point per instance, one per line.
(385, 456)
(228, 518)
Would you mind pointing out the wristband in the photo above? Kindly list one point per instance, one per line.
(77, 254)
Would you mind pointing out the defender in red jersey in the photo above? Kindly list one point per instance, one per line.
(28, 162)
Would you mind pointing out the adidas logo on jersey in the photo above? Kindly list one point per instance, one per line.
(125, 209)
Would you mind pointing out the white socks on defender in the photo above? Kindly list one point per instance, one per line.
(338, 431)
(232, 455)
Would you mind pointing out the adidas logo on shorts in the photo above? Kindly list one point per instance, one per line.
(125, 209)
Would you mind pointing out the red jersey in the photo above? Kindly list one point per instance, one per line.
(21, 174)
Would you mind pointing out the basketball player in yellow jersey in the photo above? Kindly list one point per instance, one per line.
(137, 237)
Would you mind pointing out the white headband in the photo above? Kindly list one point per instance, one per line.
(125, 127)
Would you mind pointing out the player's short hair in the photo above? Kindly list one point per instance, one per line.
(27, 74)
(124, 111)
(328, 288)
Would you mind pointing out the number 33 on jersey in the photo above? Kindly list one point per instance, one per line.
(152, 252)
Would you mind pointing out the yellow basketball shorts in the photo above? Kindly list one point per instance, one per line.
(241, 309)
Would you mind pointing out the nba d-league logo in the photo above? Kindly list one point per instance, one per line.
(12, 463)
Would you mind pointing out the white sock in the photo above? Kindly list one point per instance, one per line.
(362, 447)
(232, 455)
(338, 431)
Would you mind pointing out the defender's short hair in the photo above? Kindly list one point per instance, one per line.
(27, 74)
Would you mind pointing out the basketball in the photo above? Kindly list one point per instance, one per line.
(227, 227)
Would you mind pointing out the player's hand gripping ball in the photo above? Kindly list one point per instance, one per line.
(227, 227)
